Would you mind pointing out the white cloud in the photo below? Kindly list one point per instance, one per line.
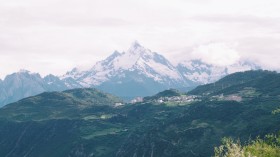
(216, 53)
(52, 36)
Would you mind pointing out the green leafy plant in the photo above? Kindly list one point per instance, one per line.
(229, 148)
(276, 111)
(267, 147)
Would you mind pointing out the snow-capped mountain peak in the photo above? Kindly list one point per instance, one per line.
(125, 60)
(135, 48)
(137, 59)
(131, 57)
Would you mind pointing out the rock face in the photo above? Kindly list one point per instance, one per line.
(136, 72)
(24, 84)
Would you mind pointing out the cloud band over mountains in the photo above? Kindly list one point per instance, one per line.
(53, 36)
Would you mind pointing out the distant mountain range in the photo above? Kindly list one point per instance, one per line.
(24, 83)
(136, 72)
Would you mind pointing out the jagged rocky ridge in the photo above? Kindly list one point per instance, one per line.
(24, 83)
(136, 72)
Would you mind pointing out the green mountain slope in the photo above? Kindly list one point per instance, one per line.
(70, 104)
(265, 82)
(166, 93)
(86, 122)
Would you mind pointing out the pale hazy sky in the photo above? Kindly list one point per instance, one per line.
(54, 36)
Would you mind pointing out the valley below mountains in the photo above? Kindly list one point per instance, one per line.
(86, 122)
(136, 72)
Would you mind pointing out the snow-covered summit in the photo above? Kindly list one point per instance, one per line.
(137, 59)
(137, 49)
(203, 73)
